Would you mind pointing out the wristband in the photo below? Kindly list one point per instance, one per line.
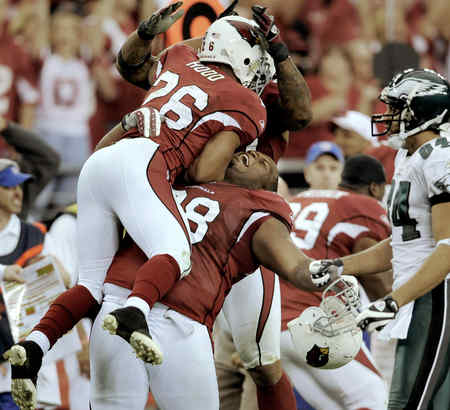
(125, 66)
(142, 32)
(279, 52)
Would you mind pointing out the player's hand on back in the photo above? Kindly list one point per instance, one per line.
(160, 21)
(146, 120)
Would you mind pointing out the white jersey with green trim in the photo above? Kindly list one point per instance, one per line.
(420, 181)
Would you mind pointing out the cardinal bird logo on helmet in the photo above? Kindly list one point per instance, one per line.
(317, 356)
(245, 31)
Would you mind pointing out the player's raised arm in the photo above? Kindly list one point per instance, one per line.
(274, 249)
(135, 61)
(295, 98)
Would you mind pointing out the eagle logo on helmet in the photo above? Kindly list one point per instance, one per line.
(245, 31)
(318, 356)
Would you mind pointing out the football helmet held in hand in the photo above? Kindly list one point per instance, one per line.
(327, 336)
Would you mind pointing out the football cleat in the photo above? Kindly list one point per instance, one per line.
(129, 323)
(26, 360)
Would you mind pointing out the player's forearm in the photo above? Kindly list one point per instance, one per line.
(294, 94)
(135, 49)
(431, 273)
(373, 260)
(111, 137)
(135, 61)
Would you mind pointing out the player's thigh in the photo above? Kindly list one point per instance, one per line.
(118, 378)
(252, 310)
(148, 209)
(186, 380)
(421, 360)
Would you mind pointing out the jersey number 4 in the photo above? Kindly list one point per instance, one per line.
(399, 210)
(182, 111)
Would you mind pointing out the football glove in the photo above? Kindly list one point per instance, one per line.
(325, 270)
(159, 21)
(146, 120)
(277, 48)
(377, 314)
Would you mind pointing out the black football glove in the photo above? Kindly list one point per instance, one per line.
(277, 48)
(160, 21)
(378, 314)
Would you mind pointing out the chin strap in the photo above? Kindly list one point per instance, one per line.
(402, 135)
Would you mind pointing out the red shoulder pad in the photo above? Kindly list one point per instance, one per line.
(266, 201)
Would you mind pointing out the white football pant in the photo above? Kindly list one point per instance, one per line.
(186, 380)
(113, 187)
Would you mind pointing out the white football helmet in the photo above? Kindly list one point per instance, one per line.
(328, 337)
(234, 41)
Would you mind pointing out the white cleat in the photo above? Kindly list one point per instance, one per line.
(146, 349)
(110, 324)
(144, 346)
(24, 393)
(17, 355)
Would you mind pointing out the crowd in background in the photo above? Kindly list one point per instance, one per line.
(57, 73)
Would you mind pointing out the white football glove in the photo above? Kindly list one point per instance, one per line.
(377, 314)
(146, 120)
(325, 270)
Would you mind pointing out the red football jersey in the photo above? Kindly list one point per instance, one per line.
(18, 80)
(222, 219)
(327, 224)
(198, 101)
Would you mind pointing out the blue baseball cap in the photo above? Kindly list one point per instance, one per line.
(322, 148)
(10, 174)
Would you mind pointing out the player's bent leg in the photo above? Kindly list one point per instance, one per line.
(148, 211)
(252, 310)
(188, 366)
(118, 379)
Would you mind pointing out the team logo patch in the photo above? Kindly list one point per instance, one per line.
(318, 356)
(245, 32)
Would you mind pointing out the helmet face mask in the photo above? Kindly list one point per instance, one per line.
(418, 100)
(236, 42)
(327, 337)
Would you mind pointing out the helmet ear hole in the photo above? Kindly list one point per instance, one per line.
(247, 61)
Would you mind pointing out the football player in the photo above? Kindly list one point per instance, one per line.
(233, 228)
(328, 224)
(211, 108)
(417, 311)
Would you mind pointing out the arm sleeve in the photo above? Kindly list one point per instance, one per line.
(38, 159)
